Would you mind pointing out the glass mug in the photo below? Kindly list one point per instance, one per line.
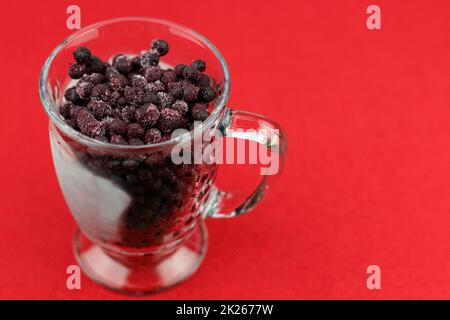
(140, 216)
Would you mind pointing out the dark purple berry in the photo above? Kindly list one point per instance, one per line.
(138, 81)
(136, 63)
(128, 114)
(152, 135)
(156, 86)
(117, 126)
(84, 90)
(130, 164)
(88, 124)
(149, 59)
(161, 46)
(147, 115)
(169, 120)
(166, 99)
(101, 91)
(123, 65)
(207, 94)
(135, 130)
(200, 111)
(191, 73)
(180, 106)
(153, 73)
(200, 65)
(76, 71)
(96, 65)
(111, 72)
(175, 90)
(99, 108)
(179, 68)
(72, 96)
(204, 81)
(118, 82)
(65, 109)
(101, 138)
(94, 78)
(82, 55)
(168, 77)
(152, 97)
(117, 139)
(190, 93)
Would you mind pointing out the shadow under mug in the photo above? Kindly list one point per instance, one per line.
(140, 216)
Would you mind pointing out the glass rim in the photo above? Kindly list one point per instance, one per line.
(56, 119)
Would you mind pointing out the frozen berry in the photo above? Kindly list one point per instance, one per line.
(138, 81)
(100, 109)
(123, 65)
(88, 124)
(84, 90)
(135, 130)
(118, 126)
(101, 91)
(200, 111)
(169, 120)
(153, 73)
(180, 106)
(76, 71)
(190, 93)
(149, 59)
(190, 73)
(165, 99)
(179, 68)
(136, 63)
(118, 82)
(94, 78)
(128, 114)
(147, 115)
(161, 46)
(82, 55)
(118, 139)
(130, 164)
(101, 138)
(111, 72)
(72, 96)
(200, 65)
(152, 135)
(152, 97)
(156, 86)
(168, 76)
(203, 81)
(207, 94)
(65, 109)
(96, 65)
(175, 90)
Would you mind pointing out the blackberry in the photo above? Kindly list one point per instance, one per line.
(169, 120)
(152, 97)
(153, 73)
(152, 135)
(149, 59)
(156, 86)
(147, 115)
(161, 46)
(82, 55)
(127, 114)
(207, 94)
(135, 130)
(200, 65)
(76, 71)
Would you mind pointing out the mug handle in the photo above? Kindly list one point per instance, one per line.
(253, 127)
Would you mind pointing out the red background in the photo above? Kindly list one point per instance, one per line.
(367, 180)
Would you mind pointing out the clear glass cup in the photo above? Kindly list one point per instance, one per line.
(140, 216)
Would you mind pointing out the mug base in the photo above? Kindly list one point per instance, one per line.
(154, 274)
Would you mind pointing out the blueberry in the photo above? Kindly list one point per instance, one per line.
(100, 109)
(200, 65)
(168, 76)
(65, 109)
(190, 93)
(179, 68)
(82, 55)
(203, 81)
(156, 86)
(153, 73)
(84, 90)
(72, 96)
(190, 73)
(127, 114)
(117, 139)
(135, 130)
(147, 115)
(96, 65)
(135, 142)
(180, 106)
(117, 126)
(169, 120)
(175, 90)
(207, 94)
(149, 59)
(123, 65)
(161, 46)
(76, 71)
(200, 111)
(166, 99)
(152, 135)
(88, 124)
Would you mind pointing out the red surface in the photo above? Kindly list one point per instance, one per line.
(367, 181)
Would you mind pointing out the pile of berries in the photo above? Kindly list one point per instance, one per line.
(134, 101)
